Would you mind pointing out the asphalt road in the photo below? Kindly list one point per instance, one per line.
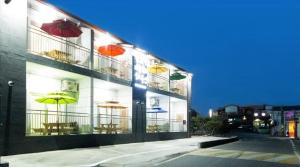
(252, 150)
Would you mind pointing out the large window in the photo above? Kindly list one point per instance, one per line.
(58, 102)
(157, 113)
(112, 108)
(178, 115)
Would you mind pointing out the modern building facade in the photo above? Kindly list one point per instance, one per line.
(76, 85)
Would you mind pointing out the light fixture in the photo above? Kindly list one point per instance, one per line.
(7, 1)
(141, 86)
(263, 114)
(210, 113)
(255, 114)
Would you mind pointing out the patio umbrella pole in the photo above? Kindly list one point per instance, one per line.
(57, 117)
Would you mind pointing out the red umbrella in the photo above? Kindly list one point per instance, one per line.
(111, 50)
(62, 28)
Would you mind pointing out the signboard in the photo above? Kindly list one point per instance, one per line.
(289, 115)
(292, 129)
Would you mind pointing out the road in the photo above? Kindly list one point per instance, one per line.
(252, 150)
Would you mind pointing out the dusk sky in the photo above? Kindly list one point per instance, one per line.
(240, 51)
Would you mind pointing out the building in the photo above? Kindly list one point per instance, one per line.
(254, 117)
(286, 120)
(76, 85)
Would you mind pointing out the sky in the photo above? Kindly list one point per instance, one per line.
(240, 52)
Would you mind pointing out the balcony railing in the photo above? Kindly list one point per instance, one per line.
(112, 124)
(178, 87)
(177, 126)
(158, 82)
(114, 67)
(42, 123)
(155, 125)
(56, 48)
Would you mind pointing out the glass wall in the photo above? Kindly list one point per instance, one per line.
(58, 102)
(157, 113)
(178, 115)
(113, 108)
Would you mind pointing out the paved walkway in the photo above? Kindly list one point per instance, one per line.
(133, 154)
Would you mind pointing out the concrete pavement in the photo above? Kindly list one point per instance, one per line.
(133, 154)
(252, 150)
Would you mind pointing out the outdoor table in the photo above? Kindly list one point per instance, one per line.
(154, 84)
(175, 90)
(61, 56)
(111, 70)
(57, 127)
(110, 105)
(153, 128)
(109, 128)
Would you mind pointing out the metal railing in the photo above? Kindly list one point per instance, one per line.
(106, 124)
(111, 66)
(177, 126)
(178, 88)
(57, 48)
(158, 82)
(38, 122)
(156, 125)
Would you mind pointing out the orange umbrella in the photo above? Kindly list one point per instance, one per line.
(111, 50)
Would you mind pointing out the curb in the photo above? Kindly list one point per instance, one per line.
(213, 143)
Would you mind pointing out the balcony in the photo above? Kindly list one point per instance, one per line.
(44, 123)
(56, 48)
(158, 82)
(178, 87)
(113, 67)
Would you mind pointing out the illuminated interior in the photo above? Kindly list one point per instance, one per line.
(113, 108)
(178, 85)
(178, 115)
(158, 79)
(157, 113)
(119, 66)
(41, 116)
